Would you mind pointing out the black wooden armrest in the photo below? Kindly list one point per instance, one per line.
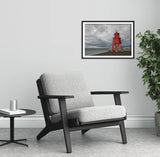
(56, 97)
(116, 95)
(108, 92)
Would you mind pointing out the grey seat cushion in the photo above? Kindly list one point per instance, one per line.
(66, 84)
(95, 113)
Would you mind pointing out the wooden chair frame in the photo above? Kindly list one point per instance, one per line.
(68, 126)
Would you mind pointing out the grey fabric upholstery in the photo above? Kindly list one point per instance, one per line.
(95, 113)
(81, 106)
(66, 84)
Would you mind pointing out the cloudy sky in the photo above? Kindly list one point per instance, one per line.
(101, 35)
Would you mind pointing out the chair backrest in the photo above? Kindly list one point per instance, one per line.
(66, 84)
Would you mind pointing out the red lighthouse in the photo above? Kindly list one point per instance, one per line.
(116, 43)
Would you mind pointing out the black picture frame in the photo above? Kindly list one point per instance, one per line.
(97, 39)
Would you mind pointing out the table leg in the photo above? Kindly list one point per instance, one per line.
(7, 142)
(11, 129)
(12, 140)
(21, 140)
(21, 143)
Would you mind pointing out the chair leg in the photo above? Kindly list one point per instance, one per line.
(84, 131)
(43, 133)
(123, 132)
(67, 140)
(66, 132)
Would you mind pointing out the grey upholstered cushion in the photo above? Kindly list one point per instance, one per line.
(89, 114)
(66, 84)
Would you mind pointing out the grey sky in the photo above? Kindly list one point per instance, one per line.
(101, 35)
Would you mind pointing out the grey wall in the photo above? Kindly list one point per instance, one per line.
(39, 36)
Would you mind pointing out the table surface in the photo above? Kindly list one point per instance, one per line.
(28, 112)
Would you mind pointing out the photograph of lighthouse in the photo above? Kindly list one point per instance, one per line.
(107, 39)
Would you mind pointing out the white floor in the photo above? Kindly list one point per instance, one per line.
(95, 143)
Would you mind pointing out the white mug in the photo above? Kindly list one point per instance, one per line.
(13, 105)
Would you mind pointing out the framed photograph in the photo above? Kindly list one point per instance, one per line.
(107, 39)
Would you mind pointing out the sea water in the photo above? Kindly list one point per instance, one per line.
(94, 51)
(90, 52)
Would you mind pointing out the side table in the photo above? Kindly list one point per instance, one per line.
(12, 140)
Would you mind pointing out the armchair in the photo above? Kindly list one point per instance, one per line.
(67, 105)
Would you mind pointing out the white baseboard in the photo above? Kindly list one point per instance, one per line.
(140, 121)
(37, 121)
